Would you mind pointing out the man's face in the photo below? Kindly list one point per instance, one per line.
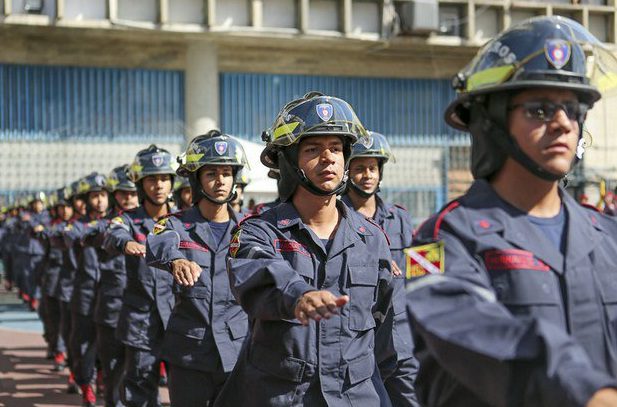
(550, 144)
(157, 187)
(216, 181)
(364, 173)
(79, 206)
(65, 212)
(98, 201)
(126, 199)
(37, 206)
(186, 195)
(322, 160)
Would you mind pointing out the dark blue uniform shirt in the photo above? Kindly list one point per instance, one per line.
(512, 321)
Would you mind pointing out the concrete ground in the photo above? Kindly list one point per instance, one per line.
(26, 376)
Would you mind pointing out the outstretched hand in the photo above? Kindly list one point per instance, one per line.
(135, 249)
(317, 305)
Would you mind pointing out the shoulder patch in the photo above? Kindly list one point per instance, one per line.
(117, 220)
(234, 244)
(424, 259)
(160, 226)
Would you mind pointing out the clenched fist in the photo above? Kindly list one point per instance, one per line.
(185, 272)
(317, 305)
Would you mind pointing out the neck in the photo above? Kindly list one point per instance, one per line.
(523, 190)
(317, 212)
(213, 212)
(366, 206)
(155, 211)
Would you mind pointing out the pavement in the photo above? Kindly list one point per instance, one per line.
(26, 376)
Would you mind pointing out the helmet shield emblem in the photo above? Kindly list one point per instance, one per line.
(220, 147)
(324, 111)
(557, 52)
(157, 160)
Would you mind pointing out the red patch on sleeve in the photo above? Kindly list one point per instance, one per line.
(283, 245)
(513, 259)
(140, 237)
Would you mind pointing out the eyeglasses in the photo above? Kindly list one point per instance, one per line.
(544, 111)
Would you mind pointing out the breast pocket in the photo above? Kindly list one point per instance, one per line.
(608, 293)
(362, 292)
(529, 292)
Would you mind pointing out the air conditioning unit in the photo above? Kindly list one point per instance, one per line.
(418, 16)
(33, 6)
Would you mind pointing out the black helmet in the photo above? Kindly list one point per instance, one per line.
(376, 146)
(313, 115)
(181, 183)
(150, 161)
(118, 180)
(73, 191)
(94, 182)
(545, 52)
(63, 196)
(212, 148)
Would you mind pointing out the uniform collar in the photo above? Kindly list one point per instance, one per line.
(583, 228)
(194, 220)
(383, 209)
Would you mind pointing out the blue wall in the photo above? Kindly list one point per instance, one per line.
(55, 102)
(407, 111)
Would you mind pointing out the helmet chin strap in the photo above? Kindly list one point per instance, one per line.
(361, 192)
(308, 184)
(141, 194)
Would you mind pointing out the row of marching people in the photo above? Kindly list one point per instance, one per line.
(511, 298)
(120, 293)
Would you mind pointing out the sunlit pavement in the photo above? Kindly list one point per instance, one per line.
(26, 376)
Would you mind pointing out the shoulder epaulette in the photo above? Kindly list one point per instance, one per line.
(589, 206)
(372, 222)
(401, 207)
(442, 214)
(176, 214)
(438, 218)
(249, 216)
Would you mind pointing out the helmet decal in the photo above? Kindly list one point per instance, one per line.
(324, 111)
(100, 180)
(220, 147)
(557, 52)
(157, 160)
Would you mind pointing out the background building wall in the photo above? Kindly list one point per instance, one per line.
(235, 62)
